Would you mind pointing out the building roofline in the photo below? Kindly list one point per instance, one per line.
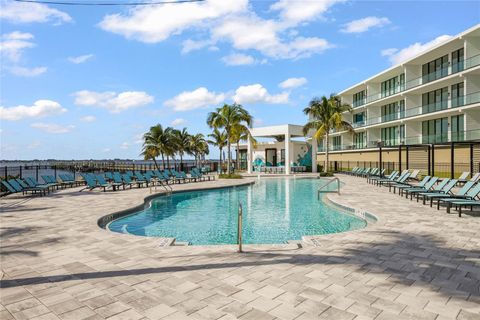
(456, 37)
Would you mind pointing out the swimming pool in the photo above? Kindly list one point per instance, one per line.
(275, 210)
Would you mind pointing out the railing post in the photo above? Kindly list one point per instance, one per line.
(471, 160)
(433, 160)
(428, 162)
(36, 173)
(55, 171)
(6, 172)
(240, 227)
(20, 172)
(452, 161)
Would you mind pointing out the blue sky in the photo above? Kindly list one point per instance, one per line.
(87, 82)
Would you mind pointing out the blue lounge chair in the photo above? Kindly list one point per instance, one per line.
(461, 194)
(446, 189)
(429, 185)
(9, 188)
(140, 178)
(127, 180)
(401, 186)
(23, 190)
(470, 195)
(102, 182)
(32, 183)
(25, 185)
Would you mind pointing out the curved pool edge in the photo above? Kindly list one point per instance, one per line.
(103, 221)
(366, 216)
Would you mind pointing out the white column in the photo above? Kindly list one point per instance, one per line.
(314, 154)
(249, 155)
(287, 153)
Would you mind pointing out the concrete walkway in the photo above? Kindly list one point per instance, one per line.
(415, 263)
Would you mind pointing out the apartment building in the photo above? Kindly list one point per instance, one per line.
(433, 98)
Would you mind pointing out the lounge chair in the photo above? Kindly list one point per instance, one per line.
(434, 194)
(414, 190)
(33, 183)
(463, 177)
(463, 203)
(394, 175)
(400, 179)
(476, 177)
(9, 188)
(127, 180)
(66, 180)
(139, 178)
(414, 175)
(93, 184)
(381, 176)
(23, 190)
(198, 174)
(102, 182)
(471, 194)
(401, 186)
(25, 185)
(461, 194)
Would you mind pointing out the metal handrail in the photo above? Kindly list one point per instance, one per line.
(328, 191)
(240, 227)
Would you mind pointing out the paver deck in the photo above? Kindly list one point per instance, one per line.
(415, 263)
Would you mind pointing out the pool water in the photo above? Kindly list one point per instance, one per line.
(275, 210)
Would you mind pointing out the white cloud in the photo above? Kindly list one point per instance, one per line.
(231, 21)
(80, 59)
(294, 12)
(88, 119)
(397, 56)
(34, 145)
(112, 101)
(178, 122)
(256, 93)
(106, 150)
(41, 108)
(125, 145)
(13, 44)
(153, 24)
(52, 127)
(238, 59)
(293, 83)
(362, 25)
(198, 98)
(27, 72)
(21, 12)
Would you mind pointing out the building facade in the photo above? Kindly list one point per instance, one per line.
(433, 98)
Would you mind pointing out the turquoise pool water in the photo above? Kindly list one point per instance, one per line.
(275, 210)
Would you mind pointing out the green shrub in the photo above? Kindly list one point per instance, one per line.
(326, 174)
(230, 176)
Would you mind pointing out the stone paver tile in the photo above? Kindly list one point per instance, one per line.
(314, 294)
(245, 296)
(99, 301)
(393, 307)
(312, 307)
(5, 315)
(236, 308)
(338, 302)
(12, 296)
(337, 314)
(112, 309)
(65, 306)
(286, 312)
(270, 291)
(190, 306)
(177, 316)
(416, 313)
(22, 305)
(362, 310)
(208, 313)
(77, 314)
(435, 307)
(159, 312)
(31, 312)
(290, 298)
(264, 304)
(47, 316)
(130, 314)
(255, 314)
(465, 315)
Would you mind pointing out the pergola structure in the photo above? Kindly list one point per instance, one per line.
(289, 131)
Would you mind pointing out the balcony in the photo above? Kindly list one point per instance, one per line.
(468, 135)
(421, 110)
(446, 70)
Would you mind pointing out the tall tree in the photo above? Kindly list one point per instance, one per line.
(240, 132)
(326, 114)
(155, 143)
(227, 117)
(198, 147)
(170, 144)
(182, 143)
(219, 140)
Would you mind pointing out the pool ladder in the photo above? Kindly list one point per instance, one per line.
(240, 227)
(320, 190)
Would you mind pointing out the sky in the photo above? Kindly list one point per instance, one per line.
(85, 82)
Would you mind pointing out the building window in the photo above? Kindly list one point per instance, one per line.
(389, 136)
(359, 98)
(435, 131)
(359, 118)
(402, 134)
(359, 140)
(457, 60)
(392, 86)
(457, 95)
(457, 131)
(435, 100)
(435, 69)
(337, 143)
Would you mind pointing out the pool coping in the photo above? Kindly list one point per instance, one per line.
(366, 216)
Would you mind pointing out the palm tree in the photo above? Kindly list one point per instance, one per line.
(227, 117)
(219, 139)
(325, 114)
(240, 133)
(182, 144)
(198, 146)
(170, 144)
(155, 143)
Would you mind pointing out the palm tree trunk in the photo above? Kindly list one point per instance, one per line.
(221, 150)
(238, 155)
(229, 157)
(163, 161)
(155, 162)
(181, 162)
(168, 162)
(325, 168)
